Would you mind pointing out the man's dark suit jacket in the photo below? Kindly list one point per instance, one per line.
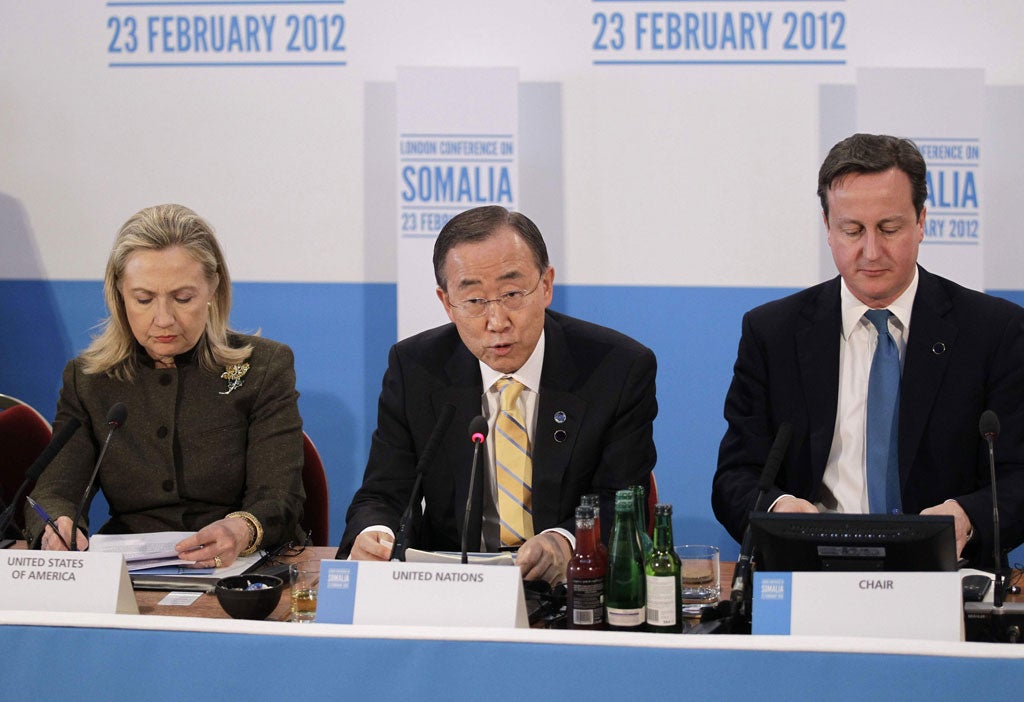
(601, 380)
(965, 354)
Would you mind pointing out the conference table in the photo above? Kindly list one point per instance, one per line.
(198, 652)
(209, 608)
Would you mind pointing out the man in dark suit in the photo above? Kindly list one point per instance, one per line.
(808, 358)
(586, 405)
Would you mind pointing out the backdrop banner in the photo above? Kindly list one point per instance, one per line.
(457, 149)
(942, 111)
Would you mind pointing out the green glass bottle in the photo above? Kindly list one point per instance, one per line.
(640, 509)
(664, 594)
(624, 589)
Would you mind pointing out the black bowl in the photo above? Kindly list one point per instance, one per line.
(242, 603)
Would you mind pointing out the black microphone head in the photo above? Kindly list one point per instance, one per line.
(988, 425)
(478, 430)
(117, 415)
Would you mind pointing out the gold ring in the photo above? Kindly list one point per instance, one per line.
(217, 561)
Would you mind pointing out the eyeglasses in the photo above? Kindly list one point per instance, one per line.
(287, 550)
(477, 306)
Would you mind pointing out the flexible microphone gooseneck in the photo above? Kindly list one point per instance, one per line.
(478, 435)
(116, 417)
(37, 468)
(741, 595)
(988, 425)
(426, 458)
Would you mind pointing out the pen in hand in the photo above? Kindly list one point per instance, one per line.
(48, 519)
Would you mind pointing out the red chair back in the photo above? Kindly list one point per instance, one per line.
(23, 436)
(316, 512)
(652, 499)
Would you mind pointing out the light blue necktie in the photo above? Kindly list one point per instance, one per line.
(883, 470)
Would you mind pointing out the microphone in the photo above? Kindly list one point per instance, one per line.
(478, 435)
(426, 458)
(733, 616)
(116, 417)
(741, 595)
(988, 425)
(998, 622)
(37, 468)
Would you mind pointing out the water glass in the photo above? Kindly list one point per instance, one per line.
(700, 577)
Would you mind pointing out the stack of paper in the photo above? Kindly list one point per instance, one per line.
(154, 564)
(144, 551)
(413, 555)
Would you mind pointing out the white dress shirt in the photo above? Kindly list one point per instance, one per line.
(844, 485)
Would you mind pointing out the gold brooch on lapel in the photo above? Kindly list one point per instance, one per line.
(234, 374)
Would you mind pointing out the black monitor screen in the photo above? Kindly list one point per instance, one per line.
(853, 542)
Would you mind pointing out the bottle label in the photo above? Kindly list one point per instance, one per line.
(662, 609)
(587, 601)
(625, 617)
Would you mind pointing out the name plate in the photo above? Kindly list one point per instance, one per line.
(432, 594)
(57, 581)
(882, 605)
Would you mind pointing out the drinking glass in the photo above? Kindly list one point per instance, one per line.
(700, 577)
(305, 578)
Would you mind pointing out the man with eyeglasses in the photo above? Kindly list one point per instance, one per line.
(569, 406)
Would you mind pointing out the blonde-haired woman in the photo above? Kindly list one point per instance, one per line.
(213, 439)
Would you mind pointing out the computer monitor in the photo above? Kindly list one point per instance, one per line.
(853, 542)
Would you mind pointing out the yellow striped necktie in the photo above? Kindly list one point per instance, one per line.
(514, 469)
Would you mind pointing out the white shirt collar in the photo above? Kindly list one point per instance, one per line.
(854, 309)
(528, 374)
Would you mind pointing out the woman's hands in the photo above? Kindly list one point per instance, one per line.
(215, 545)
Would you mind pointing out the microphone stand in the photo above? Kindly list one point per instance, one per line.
(989, 428)
(997, 567)
(426, 458)
(478, 434)
(733, 616)
(399, 547)
(116, 417)
(997, 594)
